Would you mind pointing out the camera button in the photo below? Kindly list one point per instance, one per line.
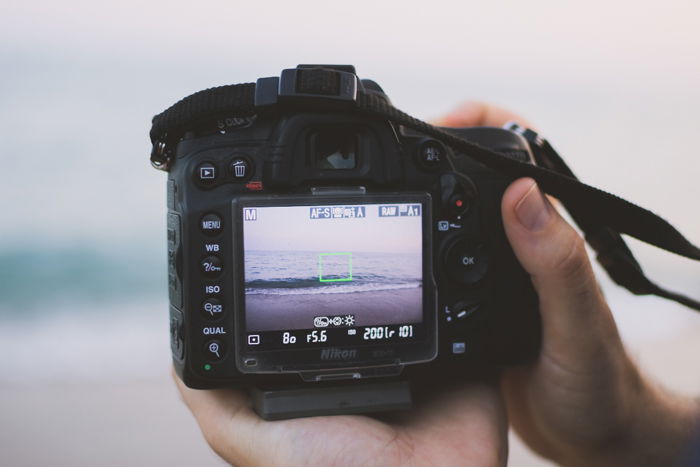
(241, 169)
(465, 309)
(430, 154)
(206, 173)
(212, 266)
(214, 350)
(211, 224)
(459, 347)
(177, 343)
(466, 262)
(458, 205)
(212, 308)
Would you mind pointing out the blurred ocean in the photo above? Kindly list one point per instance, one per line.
(72, 313)
(84, 353)
(82, 213)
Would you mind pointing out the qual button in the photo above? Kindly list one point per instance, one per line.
(214, 350)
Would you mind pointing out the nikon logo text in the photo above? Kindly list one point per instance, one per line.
(337, 354)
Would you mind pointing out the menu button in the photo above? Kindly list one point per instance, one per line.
(211, 224)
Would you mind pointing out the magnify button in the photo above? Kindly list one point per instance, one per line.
(215, 350)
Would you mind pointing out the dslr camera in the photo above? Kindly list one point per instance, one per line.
(317, 250)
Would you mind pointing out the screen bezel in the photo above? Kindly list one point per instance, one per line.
(289, 360)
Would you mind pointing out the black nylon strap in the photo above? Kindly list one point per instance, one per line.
(613, 254)
(235, 100)
(578, 197)
(601, 215)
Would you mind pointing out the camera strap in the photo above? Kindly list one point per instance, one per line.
(601, 216)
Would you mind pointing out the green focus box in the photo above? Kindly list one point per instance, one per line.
(336, 267)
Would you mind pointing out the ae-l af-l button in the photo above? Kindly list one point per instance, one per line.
(466, 261)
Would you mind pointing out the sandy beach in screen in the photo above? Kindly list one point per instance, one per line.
(297, 311)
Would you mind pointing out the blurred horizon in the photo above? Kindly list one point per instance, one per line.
(84, 212)
(612, 85)
(616, 93)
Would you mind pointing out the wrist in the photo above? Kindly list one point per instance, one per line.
(657, 430)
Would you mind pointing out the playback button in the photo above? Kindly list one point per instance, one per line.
(206, 173)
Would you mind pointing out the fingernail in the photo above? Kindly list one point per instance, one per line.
(533, 209)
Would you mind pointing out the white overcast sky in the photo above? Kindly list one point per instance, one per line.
(614, 85)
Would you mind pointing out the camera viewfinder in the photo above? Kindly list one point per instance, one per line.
(334, 148)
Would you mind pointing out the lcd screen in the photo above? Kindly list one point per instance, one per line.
(332, 266)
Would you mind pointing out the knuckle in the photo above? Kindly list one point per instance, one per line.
(573, 263)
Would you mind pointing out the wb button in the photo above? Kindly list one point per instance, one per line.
(466, 261)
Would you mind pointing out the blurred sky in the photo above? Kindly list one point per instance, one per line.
(614, 85)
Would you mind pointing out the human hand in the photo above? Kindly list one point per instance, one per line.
(462, 426)
(584, 401)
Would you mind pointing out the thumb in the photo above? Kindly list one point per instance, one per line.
(576, 322)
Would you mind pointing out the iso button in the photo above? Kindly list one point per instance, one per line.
(212, 266)
(466, 261)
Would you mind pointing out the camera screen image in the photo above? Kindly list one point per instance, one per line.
(339, 265)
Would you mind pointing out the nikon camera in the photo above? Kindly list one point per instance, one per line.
(310, 244)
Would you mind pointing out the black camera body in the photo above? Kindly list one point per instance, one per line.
(308, 246)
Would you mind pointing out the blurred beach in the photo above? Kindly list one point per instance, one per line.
(84, 352)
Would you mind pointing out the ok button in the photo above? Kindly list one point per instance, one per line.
(466, 261)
